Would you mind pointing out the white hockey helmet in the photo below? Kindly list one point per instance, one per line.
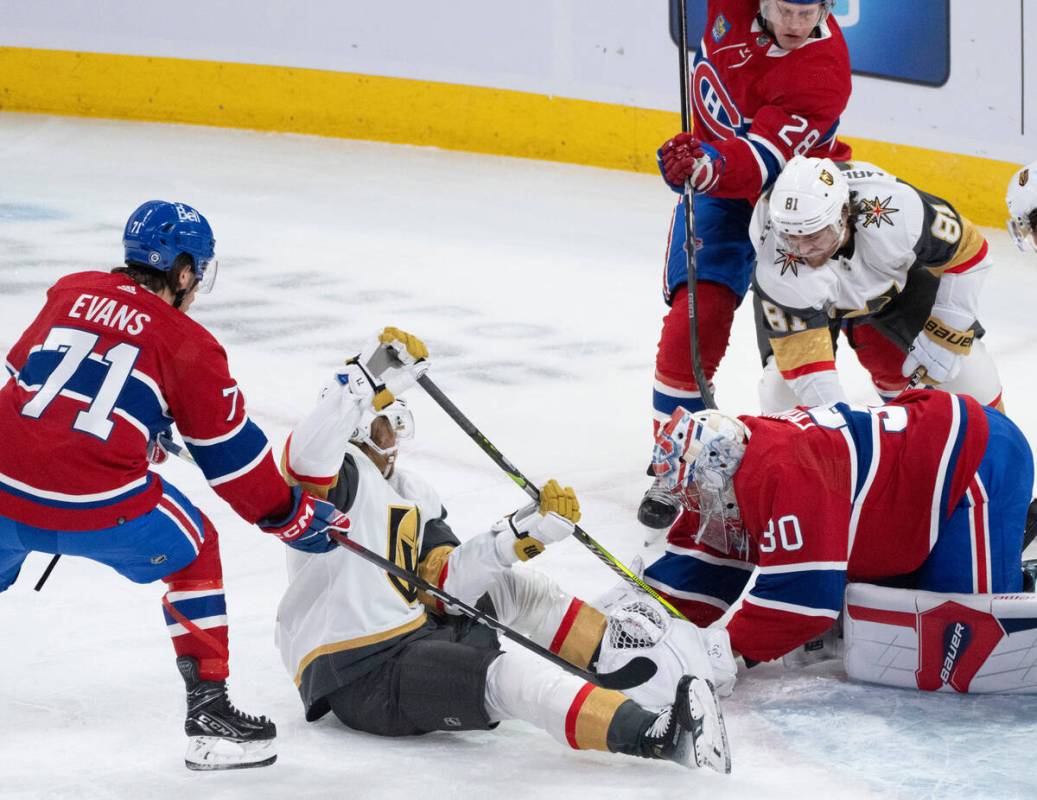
(1022, 205)
(400, 419)
(807, 205)
(697, 455)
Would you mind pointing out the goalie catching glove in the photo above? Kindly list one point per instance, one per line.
(306, 525)
(524, 534)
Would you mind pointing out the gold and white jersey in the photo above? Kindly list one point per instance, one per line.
(339, 609)
(900, 235)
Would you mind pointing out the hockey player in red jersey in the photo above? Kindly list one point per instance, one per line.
(110, 363)
(387, 659)
(770, 80)
(928, 493)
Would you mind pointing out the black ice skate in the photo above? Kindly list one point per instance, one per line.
(691, 732)
(659, 508)
(220, 736)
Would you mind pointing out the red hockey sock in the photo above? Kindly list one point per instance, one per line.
(674, 380)
(196, 611)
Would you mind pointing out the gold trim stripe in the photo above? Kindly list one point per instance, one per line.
(321, 490)
(595, 716)
(430, 568)
(452, 116)
(584, 636)
(799, 349)
(971, 243)
(353, 644)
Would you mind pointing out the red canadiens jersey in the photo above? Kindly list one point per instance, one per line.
(830, 494)
(105, 367)
(758, 104)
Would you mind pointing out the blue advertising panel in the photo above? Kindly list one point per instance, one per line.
(907, 42)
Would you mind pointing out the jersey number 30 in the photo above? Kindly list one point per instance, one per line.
(77, 346)
(787, 533)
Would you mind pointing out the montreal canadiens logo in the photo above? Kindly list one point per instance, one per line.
(714, 104)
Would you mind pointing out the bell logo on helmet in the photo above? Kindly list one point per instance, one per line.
(186, 214)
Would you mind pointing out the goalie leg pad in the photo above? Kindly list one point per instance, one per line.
(974, 643)
(678, 648)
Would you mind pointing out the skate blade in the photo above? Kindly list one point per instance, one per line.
(214, 752)
(708, 729)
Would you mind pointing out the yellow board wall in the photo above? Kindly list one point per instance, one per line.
(452, 116)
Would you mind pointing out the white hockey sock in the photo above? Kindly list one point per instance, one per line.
(520, 685)
(536, 606)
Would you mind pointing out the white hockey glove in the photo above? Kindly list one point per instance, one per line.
(522, 535)
(408, 361)
(942, 345)
(641, 627)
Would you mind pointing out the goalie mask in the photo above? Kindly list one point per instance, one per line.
(697, 455)
(383, 438)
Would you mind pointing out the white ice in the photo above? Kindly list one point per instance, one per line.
(537, 288)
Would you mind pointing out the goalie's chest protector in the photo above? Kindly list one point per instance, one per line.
(337, 601)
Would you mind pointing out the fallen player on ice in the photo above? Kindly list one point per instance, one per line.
(383, 658)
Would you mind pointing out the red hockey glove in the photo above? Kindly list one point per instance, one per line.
(306, 526)
(685, 158)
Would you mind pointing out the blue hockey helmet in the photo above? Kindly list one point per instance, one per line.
(158, 232)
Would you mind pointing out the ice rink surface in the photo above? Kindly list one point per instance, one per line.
(536, 287)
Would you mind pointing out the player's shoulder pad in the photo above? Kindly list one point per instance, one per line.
(887, 214)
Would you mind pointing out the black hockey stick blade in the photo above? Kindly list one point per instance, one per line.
(635, 672)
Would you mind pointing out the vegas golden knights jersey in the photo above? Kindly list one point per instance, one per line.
(903, 241)
(342, 616)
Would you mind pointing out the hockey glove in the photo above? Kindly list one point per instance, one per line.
(524, 534)
(306, 525)
(410, 362)
(157, 451)
(685, 158)
(941, 347)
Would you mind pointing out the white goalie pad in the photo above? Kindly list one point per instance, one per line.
(641, 627)
(969, 643)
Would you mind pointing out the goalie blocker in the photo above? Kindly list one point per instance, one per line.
(934, 641)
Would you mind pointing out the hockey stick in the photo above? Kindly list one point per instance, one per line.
(633, 673)
(529, 488)
(690, 254)
(171, 447)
